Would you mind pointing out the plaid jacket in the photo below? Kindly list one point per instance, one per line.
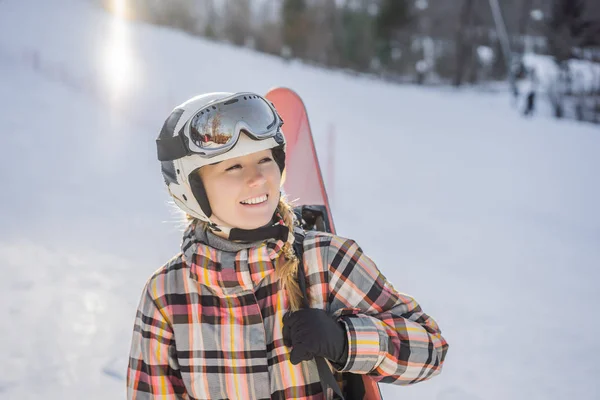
(203, 332)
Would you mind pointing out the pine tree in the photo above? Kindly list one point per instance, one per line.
(393, 16)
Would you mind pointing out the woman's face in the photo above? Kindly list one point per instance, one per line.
(243, 192)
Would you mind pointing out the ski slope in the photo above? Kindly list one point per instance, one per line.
(489, 220)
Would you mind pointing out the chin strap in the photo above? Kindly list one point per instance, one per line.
(276, 230)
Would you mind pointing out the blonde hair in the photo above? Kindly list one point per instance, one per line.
(287, 267)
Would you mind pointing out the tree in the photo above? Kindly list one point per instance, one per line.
(323, 25)
(462, 48)
(392, 17)
(238, 22)
(295, 26)
(569, 27)
(354, 38)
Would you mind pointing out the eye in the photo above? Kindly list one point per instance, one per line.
(234, 167)
(266, 160)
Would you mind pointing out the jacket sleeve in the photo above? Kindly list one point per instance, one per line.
(389, 336)
(153, 371)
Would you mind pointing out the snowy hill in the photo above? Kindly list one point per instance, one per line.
(491, 221)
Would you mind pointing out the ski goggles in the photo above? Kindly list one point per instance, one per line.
(216, 128)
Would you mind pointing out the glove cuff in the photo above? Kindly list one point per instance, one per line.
(340, 362)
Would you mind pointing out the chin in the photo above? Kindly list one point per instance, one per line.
(256, 221)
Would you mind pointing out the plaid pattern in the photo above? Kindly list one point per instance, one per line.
(203, 332)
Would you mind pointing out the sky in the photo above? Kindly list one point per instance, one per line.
(488, 219)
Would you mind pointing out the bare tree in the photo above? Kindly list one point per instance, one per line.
(238, 22)
(462, 48)
(322, 22)
(295, 26)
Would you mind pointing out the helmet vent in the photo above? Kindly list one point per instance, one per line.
(184, 197)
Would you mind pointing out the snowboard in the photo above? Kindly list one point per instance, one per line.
(302, 181)
(303, 184)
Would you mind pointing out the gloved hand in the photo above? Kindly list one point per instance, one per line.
(311, 332)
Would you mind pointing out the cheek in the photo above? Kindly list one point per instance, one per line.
(274, 176)
(217, 191)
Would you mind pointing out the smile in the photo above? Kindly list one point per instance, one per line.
(256, 200)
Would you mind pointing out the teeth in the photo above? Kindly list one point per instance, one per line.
(255, 200)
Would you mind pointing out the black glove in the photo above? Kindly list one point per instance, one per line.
(311, 332)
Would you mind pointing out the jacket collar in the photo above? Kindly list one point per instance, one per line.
(227, 266)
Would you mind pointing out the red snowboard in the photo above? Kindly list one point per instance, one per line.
(303, 182)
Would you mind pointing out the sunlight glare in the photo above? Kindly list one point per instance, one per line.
(119, 8)
(118, 59)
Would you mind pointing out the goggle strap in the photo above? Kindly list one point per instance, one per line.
(171, 148)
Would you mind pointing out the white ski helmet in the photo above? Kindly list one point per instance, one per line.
(210, 128)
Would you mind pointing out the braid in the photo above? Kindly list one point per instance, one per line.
(288, 270)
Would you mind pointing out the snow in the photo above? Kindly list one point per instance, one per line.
(490, 220)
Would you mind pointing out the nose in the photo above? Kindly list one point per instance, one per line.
(256, 178)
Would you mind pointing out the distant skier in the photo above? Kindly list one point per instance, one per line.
(530, 93)
(222, 319)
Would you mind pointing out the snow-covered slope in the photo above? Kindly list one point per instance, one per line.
(491, 221)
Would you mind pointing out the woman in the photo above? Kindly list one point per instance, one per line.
(223, 319)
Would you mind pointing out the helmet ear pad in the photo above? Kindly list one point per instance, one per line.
(200, 192)
(279, 157)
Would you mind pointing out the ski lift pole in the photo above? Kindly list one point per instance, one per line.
(504, 42)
